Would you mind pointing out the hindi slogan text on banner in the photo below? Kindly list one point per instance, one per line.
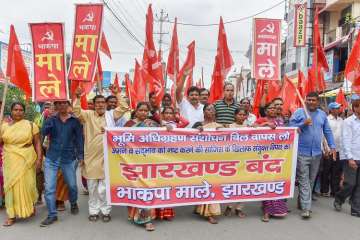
(300, 25)
(87, 33)
(152, 167)
(49, 62)
(266, 49)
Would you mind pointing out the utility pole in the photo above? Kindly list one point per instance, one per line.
(164, 17)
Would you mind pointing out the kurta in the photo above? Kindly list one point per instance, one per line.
(93, 138)
(93, 146)
(19, 168)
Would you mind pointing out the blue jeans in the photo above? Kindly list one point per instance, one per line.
(68, 170)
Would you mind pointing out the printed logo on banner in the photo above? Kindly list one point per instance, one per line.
(266, 49)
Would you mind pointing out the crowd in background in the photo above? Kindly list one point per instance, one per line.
(40, 160)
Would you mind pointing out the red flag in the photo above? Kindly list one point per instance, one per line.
(289, 95)
(301, 83)
(87, 88)
(257, 97)
(274, 89)
(99, 72)
(16, 69)
(151, 62)
(189, 81)
(139, 82)
(223, 50)
(217, 82)
(341, 99)
(173, 58)
(116, 82)
(130, 92)
(189, 62)
(222, 66)
(352, 69)
(313, 85)
(104, 47)
(319, 54)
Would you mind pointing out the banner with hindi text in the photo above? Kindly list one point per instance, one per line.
(87, 33)
(153, 167)
(266, 49)
(49, 62)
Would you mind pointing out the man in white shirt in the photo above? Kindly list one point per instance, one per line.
(332, 169)
(350, 139)
(190, 107)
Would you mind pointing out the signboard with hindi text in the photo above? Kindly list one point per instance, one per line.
(153, 167)
(49, 62)
(300, 25)
(87, 33)
(266, 49)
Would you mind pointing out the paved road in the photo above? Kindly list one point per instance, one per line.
(326, 224)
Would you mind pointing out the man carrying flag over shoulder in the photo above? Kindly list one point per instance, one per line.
(311, 131)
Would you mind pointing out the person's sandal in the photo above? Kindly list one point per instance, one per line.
(212, 220)
(265, 218)
(228, 211)
(149, 227)
(106, 218)
(240, 213)
(93, 218)
(9, 222)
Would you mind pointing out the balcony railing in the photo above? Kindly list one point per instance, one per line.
(336, 34)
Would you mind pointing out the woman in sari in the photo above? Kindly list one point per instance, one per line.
(272, 208)
(241, 121)
(142, 216)
(210, 211)
(20, 162)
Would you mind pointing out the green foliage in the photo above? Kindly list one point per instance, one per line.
(14, 94)
(349, 19)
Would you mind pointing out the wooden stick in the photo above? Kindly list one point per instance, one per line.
(175, 82)
(6, 86)
(302, 103)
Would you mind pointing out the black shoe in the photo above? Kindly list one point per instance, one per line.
(355, 214)
(337, 205)
(48, 221)
(74, 209)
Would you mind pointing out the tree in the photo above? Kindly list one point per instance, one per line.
(14, 94)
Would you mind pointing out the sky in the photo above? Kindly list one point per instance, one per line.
(132, 13)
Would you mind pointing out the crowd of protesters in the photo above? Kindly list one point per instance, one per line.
(40, 160)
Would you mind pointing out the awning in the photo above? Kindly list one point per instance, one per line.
(333, 93)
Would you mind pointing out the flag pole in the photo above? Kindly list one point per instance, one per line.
(175, 81)
(6, 86)
(302, 103)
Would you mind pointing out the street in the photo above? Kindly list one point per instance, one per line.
(324, 224)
